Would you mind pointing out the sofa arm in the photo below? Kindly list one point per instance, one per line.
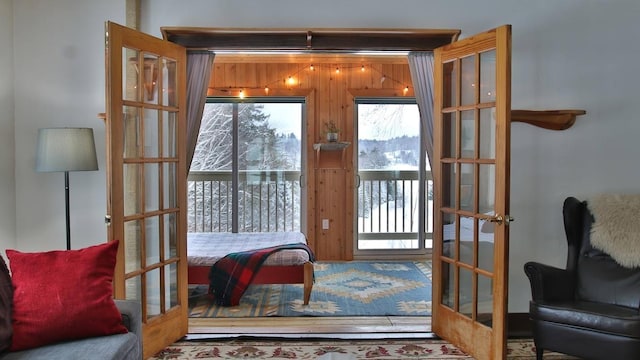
(131, 317)
(549, 283)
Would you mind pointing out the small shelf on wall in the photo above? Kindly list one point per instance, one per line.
(330, 146)
(547, 119)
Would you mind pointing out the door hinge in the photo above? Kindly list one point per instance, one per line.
(107, 220)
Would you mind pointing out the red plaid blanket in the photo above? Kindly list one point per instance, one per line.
(230, 276)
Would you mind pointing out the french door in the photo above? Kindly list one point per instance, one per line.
(471, 173)
(146, 176)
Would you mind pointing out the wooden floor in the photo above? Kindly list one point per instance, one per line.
(334, 327)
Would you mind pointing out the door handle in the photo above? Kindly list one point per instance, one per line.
(499, 219)
(357, 180)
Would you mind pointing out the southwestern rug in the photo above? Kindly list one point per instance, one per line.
(517, 349)
(354, 288)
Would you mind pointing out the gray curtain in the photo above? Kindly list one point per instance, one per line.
(199, 69)
(421, 67)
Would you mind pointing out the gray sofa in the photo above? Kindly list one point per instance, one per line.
(112, 347)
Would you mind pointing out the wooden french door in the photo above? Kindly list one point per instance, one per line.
(146, 178)
(472, 105)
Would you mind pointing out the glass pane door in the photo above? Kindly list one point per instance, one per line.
(471, 149)
(245, 175)
(146, 178)
(388, 185)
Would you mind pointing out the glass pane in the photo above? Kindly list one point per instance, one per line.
(152, 240)
(467, 134)
(213, 150)
(488, 76)
(485, 246)
(487, 133)
(171, 285)
(131, 189)
(133, 243)
(466, 239)
(449, 231)
(169, 134)
(485, 300)
(132, 147)
(152, 187)
(133, 288)
(449, 136)
(170, 236)
(449, 82)
(150, 78)
(388, 163)
(448, 285)
(169, 82)
(130, 81)
(266, 150)
(465, 301)
(468, 80)
(449, 183)
(169, 185)
(467, 187)
(152, 282)
(151, 134)
(486, 189)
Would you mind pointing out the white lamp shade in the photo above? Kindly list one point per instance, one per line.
(66, 149)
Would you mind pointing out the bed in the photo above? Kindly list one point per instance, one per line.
(291, 266)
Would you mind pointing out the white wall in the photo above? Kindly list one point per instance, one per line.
(59, 82)
(7, 178)
(566, 54)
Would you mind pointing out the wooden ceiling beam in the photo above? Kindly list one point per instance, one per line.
(328, 40)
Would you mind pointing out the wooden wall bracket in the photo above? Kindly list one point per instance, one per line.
(547, 119)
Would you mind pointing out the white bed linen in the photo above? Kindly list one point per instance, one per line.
(204, 249)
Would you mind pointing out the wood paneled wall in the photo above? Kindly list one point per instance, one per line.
(330, 96)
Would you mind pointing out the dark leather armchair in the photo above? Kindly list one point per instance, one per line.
(591, 308)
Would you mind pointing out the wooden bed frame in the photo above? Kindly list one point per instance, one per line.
(299, 270)
(268, 274)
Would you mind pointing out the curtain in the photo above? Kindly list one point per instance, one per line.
(421, 68)
(199, 69)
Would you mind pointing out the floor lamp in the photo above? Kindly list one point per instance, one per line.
(66, 149)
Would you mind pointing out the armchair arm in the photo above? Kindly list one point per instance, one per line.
(131, 317)
(549, 283)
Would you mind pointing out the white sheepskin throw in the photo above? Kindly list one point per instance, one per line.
(616, 229)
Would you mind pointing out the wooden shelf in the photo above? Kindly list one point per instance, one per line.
(330, 146)
(547, 119)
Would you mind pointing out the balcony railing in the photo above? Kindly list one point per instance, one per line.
(388, 209)
(267, 201)
(270, 201)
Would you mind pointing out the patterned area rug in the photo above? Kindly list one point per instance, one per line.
(340, 289)
(519, 349)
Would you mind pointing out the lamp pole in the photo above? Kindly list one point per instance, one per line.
(67, 214)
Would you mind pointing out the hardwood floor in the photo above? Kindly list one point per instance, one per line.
(319, 327)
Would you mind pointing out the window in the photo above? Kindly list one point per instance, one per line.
(245, 175)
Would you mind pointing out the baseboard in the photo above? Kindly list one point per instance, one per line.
(519, 325)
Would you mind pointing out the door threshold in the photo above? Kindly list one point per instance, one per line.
(361, 327)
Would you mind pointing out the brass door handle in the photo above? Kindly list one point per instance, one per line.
(499, 219)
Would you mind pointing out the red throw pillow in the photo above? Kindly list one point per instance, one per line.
(63, 295)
